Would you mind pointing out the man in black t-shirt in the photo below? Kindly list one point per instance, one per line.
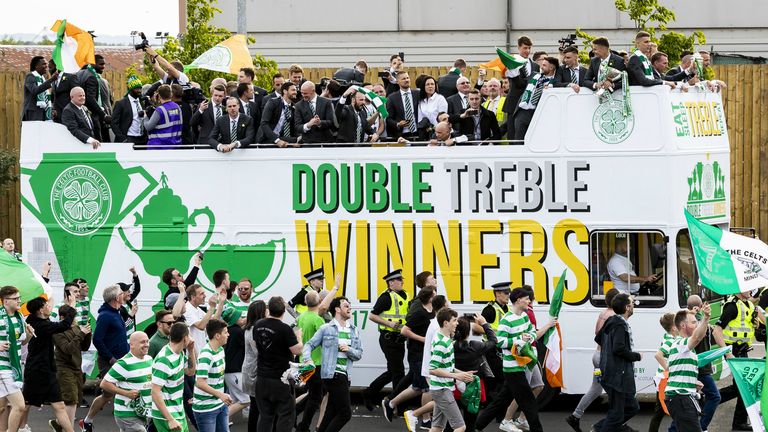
(276, 344)
(389, 313)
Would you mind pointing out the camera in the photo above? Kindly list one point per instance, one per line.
(193, 95)
(470, 317)
(568, 40)
(144, 43)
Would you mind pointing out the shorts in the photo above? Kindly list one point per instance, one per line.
(234, 382)
(104, 367)
(42, 390)
(419, 382)
(162, 426)
(446, 409)
(131, 424)
(534, 377)
(8, 385)
(71, 384)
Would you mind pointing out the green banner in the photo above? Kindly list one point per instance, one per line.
(749, 374)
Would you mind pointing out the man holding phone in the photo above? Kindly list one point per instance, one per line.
(403, 108)
(476, 122)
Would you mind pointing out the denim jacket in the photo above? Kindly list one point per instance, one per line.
(328, 337)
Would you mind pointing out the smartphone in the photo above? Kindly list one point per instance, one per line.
(470, 317)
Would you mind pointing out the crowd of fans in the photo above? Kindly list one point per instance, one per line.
(296, 111)
(205, 360)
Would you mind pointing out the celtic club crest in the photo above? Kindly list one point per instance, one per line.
(217, 58)
(81, 200)
(610, 124)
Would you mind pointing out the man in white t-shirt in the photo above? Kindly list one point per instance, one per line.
(171, 72)
(196, 318)
(622, 272)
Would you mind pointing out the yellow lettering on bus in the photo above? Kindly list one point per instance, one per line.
(363, 259)
(320, 254)
(393, 254)
(442, 260)
(522, 261)
(479, 261)
(560, 236)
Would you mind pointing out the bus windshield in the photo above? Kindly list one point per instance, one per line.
(688, 282)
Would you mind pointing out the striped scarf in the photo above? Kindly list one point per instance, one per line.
(43, 98)
(530, 89)
(647, 70)
(13, 344)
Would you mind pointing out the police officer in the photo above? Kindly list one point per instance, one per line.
(389, 313)
(737, 325)
(315, 281)
(492, 314)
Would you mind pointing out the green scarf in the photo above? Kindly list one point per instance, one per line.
(13, 349)
(98, 80)
(43, 98)
(531, 87)
(647, 70)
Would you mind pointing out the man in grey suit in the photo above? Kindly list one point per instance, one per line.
(77, 120)
(315, 118)
(222, 137)
(37, 103)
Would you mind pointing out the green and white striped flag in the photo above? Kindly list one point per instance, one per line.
(749, 376)
(728, 263)
(379, 102)
(16, 273)
(708, 357)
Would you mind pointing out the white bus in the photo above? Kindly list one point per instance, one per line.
(474, 214)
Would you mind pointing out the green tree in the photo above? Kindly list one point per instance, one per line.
(8, 162)
(673, 44)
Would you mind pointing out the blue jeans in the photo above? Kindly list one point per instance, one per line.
(213, 421)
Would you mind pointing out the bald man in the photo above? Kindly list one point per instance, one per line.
(443, 135)
(129, 379)
(78, 120)
(315, 116)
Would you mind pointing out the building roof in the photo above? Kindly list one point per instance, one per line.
(17, 57)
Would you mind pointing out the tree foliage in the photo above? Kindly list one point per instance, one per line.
(201, 36)
(8, 162)
(652, 17)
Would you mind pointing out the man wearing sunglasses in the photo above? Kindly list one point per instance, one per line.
(164, 320)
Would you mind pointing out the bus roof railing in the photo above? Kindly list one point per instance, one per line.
(199, 146)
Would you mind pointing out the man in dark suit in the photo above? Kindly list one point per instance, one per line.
(571, 73)
(278, 119)
(351, 115)
(127, 117)
(403, 109)
(660, 63)
(177, 96)
(277, 84)
(37, 104)
(518, 80)
(76, 118)
(89, 80)
(247, 105)
(603, 54)
(222, 139)
(247, 75)
(476, 122)
(207, 113)
(529, 101)
(639, 68)
(315, 118)
(458, 102)
(446, 84)
(60, 89)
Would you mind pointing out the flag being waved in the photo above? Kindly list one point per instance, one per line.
(16, 273)
(494, 64)
(379, 102)
(728, 263)
(74, 47)
(552, 339)
(749, 375)
(228, 56)
(510, 61)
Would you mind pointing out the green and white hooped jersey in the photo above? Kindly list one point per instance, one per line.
(168, 373)
(210, 366)
(132, 373)
(683, 369)
(240, 305)
(83, 308)
(441, 358)
(341, 359)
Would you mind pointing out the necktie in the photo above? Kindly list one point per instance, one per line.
(286, 121)
(218, 111)
(233, 132)
(463, 102)
(87, 118)
(138, 110)
(575, 76)
(312, 107)
(358, 127)
(246, 108)
(408, 110)
(537, 92)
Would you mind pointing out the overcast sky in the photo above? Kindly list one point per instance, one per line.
(104, 17)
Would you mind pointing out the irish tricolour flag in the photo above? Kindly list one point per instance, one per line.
(74, 47)
(16, 273)
(728, 263)
(553, 362)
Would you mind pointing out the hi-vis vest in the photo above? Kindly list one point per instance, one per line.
(301, 308)
(397, 311)
(741, 329)
(499, 314)
(499, 113)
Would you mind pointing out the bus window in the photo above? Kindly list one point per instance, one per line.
(688, 281)
(630, 261)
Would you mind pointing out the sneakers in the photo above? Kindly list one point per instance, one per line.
(573, 422)
(54, 425)
(26, 428)
(425, 425)
(521, 424)
(388, 411)
(508, 426)
(85, 427)
(411, 421)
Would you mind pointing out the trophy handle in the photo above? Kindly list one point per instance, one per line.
(211, 222)
(28, 204)
(125, 240)
(151, 185)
